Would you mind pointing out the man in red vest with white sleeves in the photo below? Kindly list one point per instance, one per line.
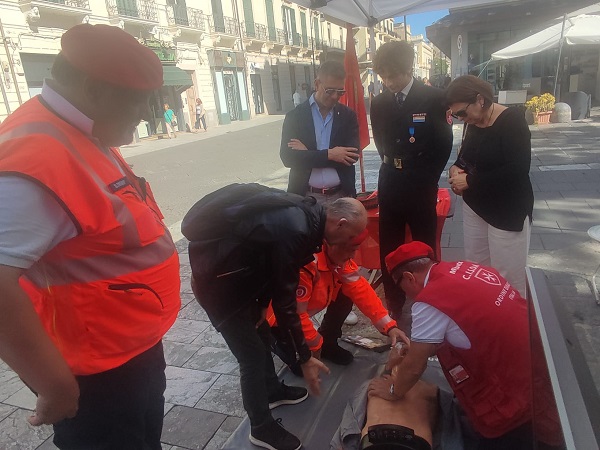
(477, 325)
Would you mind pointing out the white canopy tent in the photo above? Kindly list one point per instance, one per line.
(581, 29)
(370, 12)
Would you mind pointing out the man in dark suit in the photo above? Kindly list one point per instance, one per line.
(319, 143)
(414, 141)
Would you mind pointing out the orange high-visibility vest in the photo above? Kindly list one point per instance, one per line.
(320, 285)
(112, 291)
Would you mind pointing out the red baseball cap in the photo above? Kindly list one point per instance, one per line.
(109, 54)
(408, 252)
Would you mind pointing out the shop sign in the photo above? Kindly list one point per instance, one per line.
(165, 52)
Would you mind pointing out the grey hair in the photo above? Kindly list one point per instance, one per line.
(417, 265)
(344, 208)
(333, 69)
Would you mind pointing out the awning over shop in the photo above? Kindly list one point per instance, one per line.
(179, 79)
(582, 29)
(370, 12)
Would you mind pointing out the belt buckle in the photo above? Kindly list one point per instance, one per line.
(398, 163)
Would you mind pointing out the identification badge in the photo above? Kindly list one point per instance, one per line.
(458, 374)
(419, 117)
(119, 184)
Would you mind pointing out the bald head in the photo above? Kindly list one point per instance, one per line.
(346, 219)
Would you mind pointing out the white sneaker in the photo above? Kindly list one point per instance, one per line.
(352, 319)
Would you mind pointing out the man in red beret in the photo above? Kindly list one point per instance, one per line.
(89, 274)
(460, 314)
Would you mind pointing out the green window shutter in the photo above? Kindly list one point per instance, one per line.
(295, 35)
(127, 8)
(303, 25)
(249, 18)
(317, 34)
(217, 10)
(180, 13)
(271, 20)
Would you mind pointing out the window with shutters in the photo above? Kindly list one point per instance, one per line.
(289, 25)
(271, 20)
(249, 18)
(303, 26)
(180, 13)
(218, 19)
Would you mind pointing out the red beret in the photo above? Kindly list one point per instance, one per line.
(109, 54)
(406, 253)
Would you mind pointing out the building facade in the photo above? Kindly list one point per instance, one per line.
(471, 35)
(241, 57)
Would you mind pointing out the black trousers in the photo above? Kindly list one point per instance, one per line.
(251, 347)
(331, 326)
(403, 201)
(121, 408)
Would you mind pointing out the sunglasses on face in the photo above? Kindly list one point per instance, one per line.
(461, 113)
(331, 91)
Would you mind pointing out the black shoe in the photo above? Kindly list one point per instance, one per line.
(336, 354)
(287, 395)
(273, 436)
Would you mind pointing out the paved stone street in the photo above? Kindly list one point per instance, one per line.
(203, 400)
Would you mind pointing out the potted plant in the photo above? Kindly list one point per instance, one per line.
(541, 107)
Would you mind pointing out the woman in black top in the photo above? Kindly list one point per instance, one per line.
(492, 175)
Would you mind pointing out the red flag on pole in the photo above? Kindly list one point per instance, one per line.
(354, 97)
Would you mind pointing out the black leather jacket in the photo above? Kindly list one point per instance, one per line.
(259, 260)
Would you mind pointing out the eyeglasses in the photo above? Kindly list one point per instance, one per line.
(462, 112)
(331, 91)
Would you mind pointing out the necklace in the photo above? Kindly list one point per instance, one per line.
(490, 117)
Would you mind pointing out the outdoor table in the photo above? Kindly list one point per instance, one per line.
(367, 255)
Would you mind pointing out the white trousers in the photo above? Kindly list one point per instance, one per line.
(505, 251)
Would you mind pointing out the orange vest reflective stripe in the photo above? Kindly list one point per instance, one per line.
(111, 292)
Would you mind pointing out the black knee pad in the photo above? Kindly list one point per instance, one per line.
(392, 437)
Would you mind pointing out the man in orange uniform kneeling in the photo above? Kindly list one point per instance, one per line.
(320, 282)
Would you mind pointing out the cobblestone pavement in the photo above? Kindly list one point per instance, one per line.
(203, 399)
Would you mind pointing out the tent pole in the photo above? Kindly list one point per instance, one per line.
(372, 44)
(560, 46)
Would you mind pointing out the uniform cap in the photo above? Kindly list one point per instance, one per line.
(406, 253)
(109, 54)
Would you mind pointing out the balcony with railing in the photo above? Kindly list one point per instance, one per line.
(224, 25)
(133, 10)
(63, 7)
(253, 30)
(190, 18)
(225, 30)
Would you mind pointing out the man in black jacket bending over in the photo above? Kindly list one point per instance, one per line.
(247, 245)
(414, 141)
